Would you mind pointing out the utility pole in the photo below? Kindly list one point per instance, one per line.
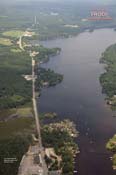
(35, 20)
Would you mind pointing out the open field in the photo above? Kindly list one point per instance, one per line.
(24, 111)
(15, 126)
(3, 16)
(5, 42)
(13, 33)
(16, 50)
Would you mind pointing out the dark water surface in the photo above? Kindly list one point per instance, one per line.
(79, 97)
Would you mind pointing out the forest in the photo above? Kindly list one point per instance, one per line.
(108, 78)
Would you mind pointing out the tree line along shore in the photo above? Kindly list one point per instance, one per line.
(108, 82)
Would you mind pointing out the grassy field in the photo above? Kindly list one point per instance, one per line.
(3, 16)
(13, 33)
(5, 42)
(25, 111)
(15, 126)
(16, 50)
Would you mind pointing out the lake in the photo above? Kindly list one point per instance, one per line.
(79, 97)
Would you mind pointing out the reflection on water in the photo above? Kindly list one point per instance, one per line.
(79, 97)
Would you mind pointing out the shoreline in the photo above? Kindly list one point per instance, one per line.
(88, 29)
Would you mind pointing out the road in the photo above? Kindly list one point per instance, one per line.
(36, 114)
(27, 164)
(34, 104)
(20, 43)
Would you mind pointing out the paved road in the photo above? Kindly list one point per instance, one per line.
(20, 43)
